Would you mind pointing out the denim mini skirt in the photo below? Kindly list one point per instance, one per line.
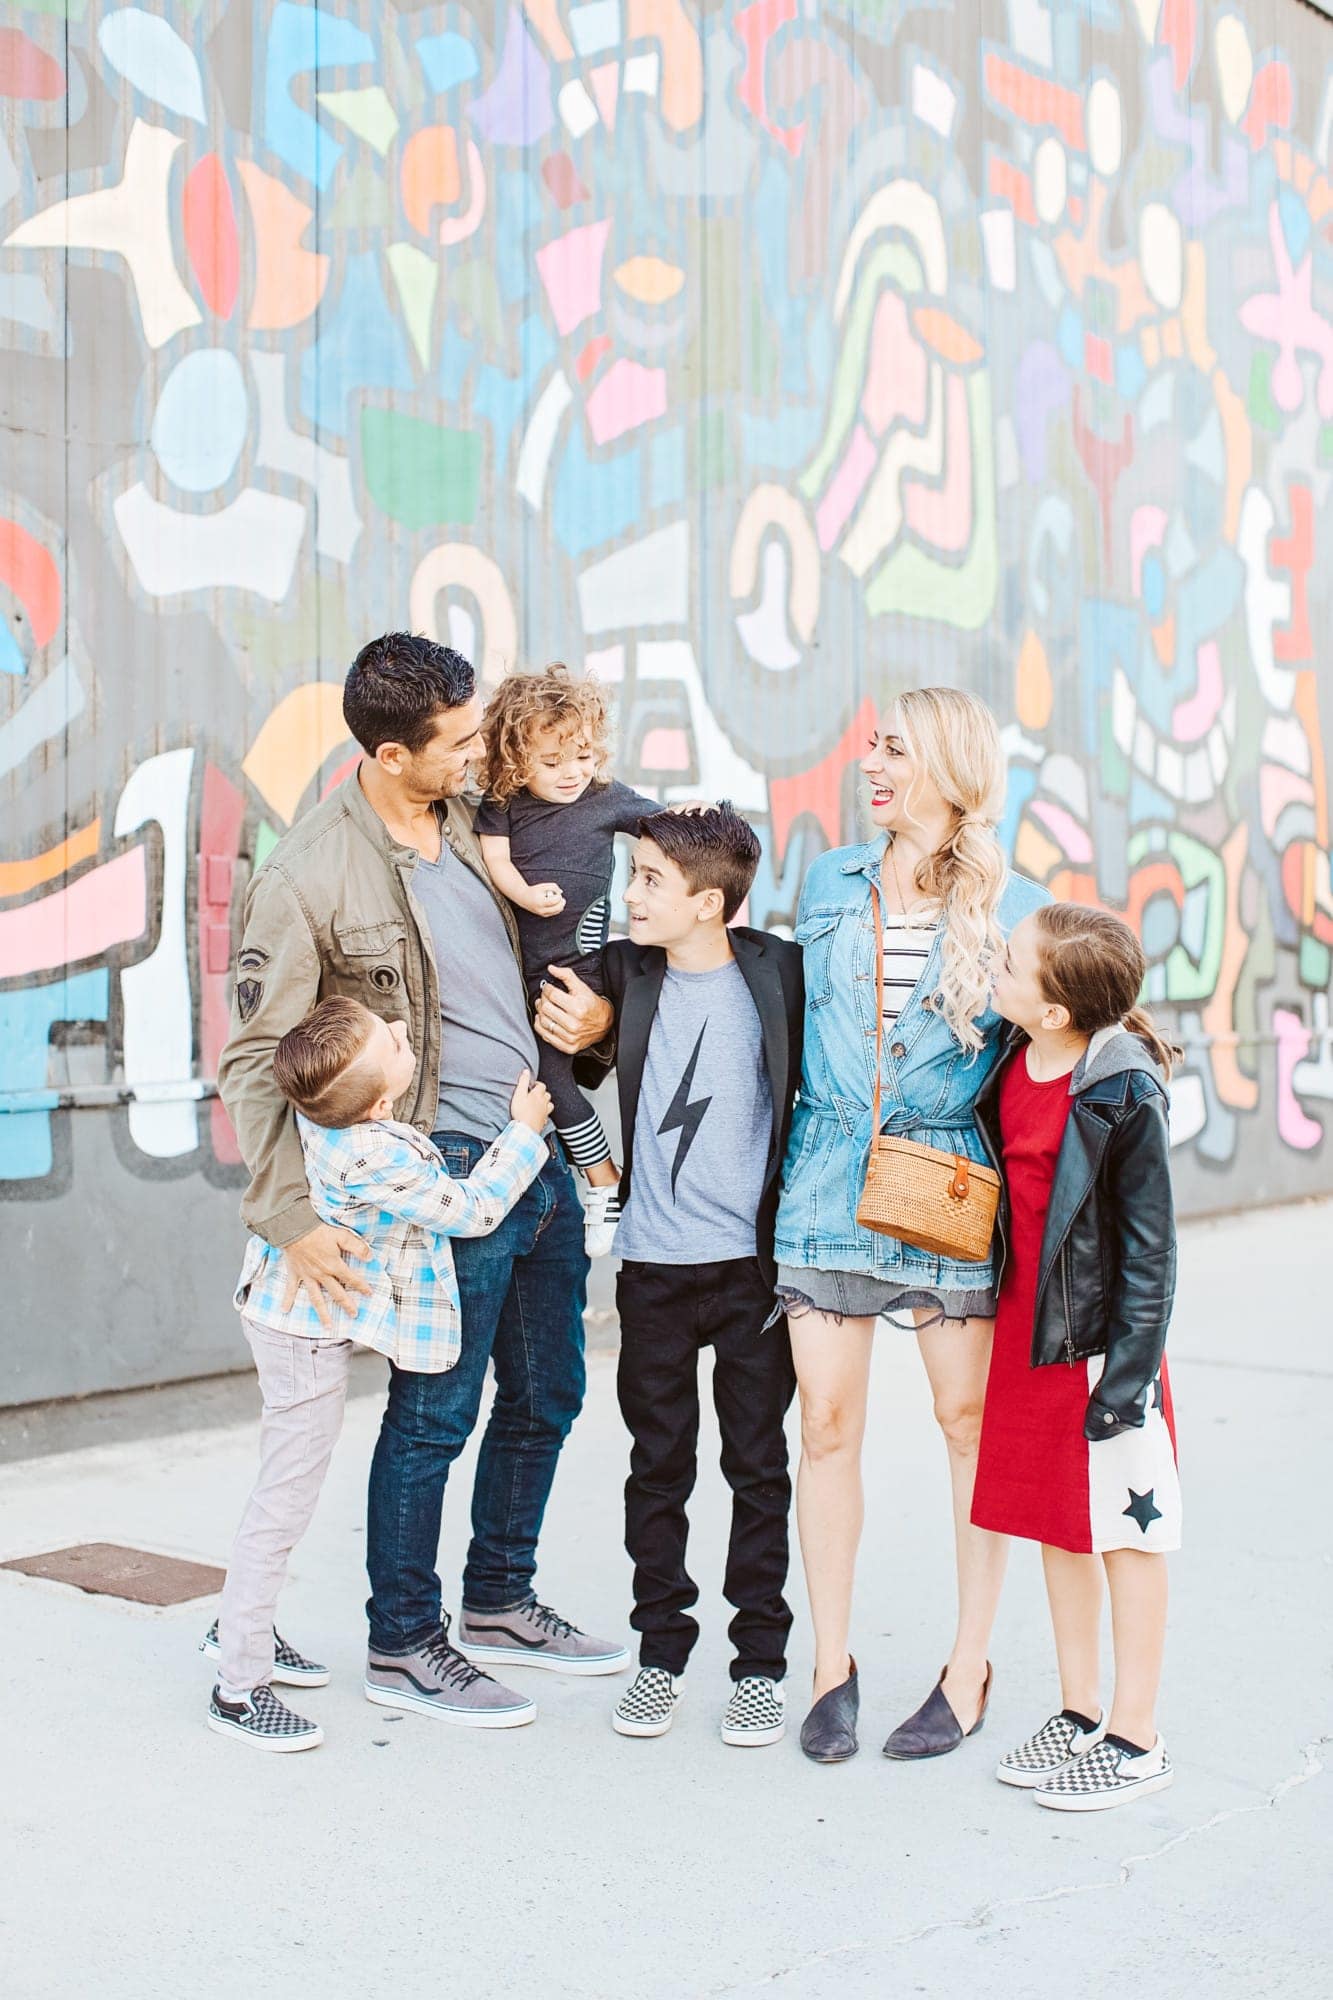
(859, 1295)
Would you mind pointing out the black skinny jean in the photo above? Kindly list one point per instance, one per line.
(668, 1313)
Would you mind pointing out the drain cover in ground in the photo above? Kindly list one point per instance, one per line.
(108, 1570)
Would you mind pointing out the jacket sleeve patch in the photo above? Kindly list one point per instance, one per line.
(249, 993)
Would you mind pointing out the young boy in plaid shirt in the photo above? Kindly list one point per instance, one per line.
(343, 1068)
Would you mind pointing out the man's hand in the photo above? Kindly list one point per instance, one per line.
(570, 1016)
(316, 1261)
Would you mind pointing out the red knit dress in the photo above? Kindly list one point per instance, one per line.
(1037, 1475)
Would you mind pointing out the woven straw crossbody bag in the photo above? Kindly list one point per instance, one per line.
(942, 1203)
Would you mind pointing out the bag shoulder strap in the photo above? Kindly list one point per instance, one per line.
(879, 1005)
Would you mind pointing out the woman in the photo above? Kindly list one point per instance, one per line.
(936, 776)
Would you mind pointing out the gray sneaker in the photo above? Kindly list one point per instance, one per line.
(437, 1680)
(532, 1635)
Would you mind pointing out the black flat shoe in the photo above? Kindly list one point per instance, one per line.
(828, 1734)
(935, 1730)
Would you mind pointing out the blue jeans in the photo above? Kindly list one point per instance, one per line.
(522, 1291)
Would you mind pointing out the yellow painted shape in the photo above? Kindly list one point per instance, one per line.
(1034, 854)
(1035, 691)
(304, 727)
(649, 280)
(368, 113)
(17, 877)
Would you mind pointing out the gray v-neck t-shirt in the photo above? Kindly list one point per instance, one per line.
(486, 1037)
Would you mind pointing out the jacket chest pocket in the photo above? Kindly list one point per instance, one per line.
(816, 935)
(372, 959)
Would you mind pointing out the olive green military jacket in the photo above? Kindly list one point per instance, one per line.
(331, 911)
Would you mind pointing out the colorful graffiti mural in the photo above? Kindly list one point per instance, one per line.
(764, 357)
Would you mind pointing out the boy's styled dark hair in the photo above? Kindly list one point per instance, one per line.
(317, 1065)
(715, 849)
(398, 684)
(1091, 963)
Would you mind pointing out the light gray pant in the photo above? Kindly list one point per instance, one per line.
(304, 1386)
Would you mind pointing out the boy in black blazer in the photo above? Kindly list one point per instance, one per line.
(708, 1056)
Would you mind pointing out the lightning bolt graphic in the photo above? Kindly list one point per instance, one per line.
(682, 1116)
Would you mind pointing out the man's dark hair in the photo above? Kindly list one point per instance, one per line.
(715, 849)
(396, 687)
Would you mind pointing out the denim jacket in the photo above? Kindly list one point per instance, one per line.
(930, 1082)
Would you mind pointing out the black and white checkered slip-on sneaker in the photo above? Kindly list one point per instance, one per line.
(289, 1666)
(260, 1718)
(1055, 1744)
(648, 1705)
(1110, 1775)
(756, 1713)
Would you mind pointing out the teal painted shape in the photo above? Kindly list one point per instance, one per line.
(26, 1021)
(147, 52)
(592, 502)
(11, 659)
(448, 60)
(1295, 219)
(363, 347)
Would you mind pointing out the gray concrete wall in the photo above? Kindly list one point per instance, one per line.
(765, 358)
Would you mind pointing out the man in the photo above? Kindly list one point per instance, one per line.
(380, 893)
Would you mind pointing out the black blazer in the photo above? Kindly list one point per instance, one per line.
(772, 969)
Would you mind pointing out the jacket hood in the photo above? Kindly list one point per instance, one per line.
(1112, 1052)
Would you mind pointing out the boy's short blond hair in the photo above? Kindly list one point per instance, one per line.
(318, 1064)
(521, 708)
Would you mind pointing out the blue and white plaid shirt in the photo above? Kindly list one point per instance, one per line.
(390, 1185)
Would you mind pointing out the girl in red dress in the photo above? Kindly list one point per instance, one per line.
(1078, 1435)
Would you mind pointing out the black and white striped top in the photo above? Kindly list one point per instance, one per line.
(908, 942)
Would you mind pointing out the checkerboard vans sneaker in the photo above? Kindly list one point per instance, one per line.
(1055, 1744)
(259, 1718)
(648, 1705)
(289, 1666)
(1110, 1775)
(755, 1714)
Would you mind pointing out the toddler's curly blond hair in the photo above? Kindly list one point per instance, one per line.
(525, 705)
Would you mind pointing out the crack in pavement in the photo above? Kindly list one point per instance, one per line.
(1312, 1765)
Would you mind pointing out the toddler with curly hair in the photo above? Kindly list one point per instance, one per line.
(547, 827)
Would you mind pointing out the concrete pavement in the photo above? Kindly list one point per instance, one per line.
(145, 1856)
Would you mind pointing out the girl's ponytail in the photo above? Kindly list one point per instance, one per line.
(1167, 1055)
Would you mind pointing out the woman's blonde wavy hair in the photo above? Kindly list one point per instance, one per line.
(522, 708)
(954, 739)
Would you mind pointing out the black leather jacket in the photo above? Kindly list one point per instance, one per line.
(1108, 1255)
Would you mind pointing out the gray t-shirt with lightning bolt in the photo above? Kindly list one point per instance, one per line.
(703, 1125)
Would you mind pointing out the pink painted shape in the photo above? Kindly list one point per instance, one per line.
(107, 906)
(1072, 837)
(605, 81)
(1278, 789)
(898, 373)
(1191, 720)
(221, 819)
(858, 463)
(942, 515)
(1288, 318)
(665, 750)
(627, 395)
(571, 271)
(755, 26)
(1295, 1128)
(1147, 530)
